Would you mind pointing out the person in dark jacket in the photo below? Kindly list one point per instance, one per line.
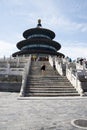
(43, 68)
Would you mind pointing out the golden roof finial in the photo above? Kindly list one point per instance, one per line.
(39, 23)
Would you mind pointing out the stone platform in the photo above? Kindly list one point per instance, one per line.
(40, 113)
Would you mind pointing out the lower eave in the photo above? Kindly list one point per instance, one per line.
(37, 52)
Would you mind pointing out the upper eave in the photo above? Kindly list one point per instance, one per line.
(37, 30)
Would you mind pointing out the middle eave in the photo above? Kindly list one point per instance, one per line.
(38, 41)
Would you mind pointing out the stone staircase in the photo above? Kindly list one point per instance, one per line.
(47, 84)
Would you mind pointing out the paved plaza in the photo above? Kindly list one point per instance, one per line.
(40, 114)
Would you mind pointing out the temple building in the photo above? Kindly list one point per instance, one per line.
(38, 41)
(39, 70)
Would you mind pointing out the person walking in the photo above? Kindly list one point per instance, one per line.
(43, 68)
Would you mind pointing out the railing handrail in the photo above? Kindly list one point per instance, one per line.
(73, 78)
(74, 81)
(24, 77)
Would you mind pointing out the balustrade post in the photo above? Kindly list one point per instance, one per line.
(18, 61)
(66, 68)
(84, 67)
(4, 58)
(71, 74)
(76, 79)
(8, 68)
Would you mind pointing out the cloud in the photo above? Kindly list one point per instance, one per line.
(74, 51)
(51, 17)
(54, 16)
(7, 49)
(12, 2)
(66, 25)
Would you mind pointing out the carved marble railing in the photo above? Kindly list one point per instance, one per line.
(73, 72)
(59, 64)
(24, 77)
(51, 61)
(11, 71)
(73, 77)
(13, 66)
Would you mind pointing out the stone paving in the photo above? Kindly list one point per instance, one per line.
(40, 114)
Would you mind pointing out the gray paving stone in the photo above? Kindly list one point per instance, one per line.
(40, 114)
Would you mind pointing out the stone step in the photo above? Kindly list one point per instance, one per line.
(47, 81)
(41, 74)
(47, 75)
(50, 91)
(51, 87)
(47, 78)
(51, 94)
(43, 78)
(48, 84)
(48, 87)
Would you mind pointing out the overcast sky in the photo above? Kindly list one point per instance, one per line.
(67, 18)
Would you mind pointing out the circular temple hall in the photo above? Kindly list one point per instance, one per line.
(38, 41)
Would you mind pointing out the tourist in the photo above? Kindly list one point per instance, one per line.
(43, 68)
(54, 67)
